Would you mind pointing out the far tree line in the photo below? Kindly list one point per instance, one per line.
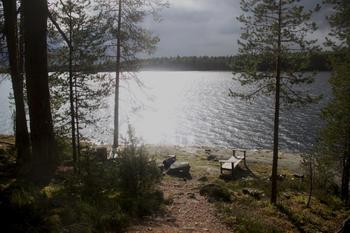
(320, 61)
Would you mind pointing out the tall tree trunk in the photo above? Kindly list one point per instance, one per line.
(13, 45)
(43, 160)
(117, 77)
(71, 96)
(277, 111)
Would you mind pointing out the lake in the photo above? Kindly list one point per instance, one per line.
(194, 108)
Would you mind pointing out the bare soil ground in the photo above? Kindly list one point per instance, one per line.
(187, 212)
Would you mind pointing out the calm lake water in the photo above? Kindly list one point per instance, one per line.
(193, 108)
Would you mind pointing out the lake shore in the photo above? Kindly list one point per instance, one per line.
(249, 208)
(194, 203)
(198, 155)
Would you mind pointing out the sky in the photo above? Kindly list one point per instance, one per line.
(208, 27)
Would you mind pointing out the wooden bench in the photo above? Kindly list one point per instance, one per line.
(231, 163)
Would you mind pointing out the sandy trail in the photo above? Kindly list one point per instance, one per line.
(189, 212)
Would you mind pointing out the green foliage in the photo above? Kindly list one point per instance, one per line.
(84, 48)
(137, 173)
(215, 192)
(138, 177)
(246, 219)
(135, 39)
(335, 135)
(104, 196)
(274, 36)
(23, 209)
(340, 26)
(334, 143)
(247, 224)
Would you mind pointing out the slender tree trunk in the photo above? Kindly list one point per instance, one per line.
(21, 43)
(277, 111)
(77, 117)
(117, 77)
(43, 160)
(71, 96)
(311, 174)
(345, 178)
(13, 46)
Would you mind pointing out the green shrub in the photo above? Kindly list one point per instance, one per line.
(138, 178)
(247, 224)
(216, 192)
(23, 209)
(104, 196)
(138, 173)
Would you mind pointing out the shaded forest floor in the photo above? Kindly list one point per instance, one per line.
(208, 202)
(249, 209)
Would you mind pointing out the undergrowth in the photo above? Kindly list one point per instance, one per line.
(104, 196)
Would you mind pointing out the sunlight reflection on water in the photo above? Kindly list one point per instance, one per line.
(193, 108)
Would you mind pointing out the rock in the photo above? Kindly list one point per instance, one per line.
(257, 194)
(212, 157)
(179, 169)
(169, 161)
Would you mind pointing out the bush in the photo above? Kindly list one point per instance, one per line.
(138, 173)
(138, 177)
(23, 210)
(247, 224)
(216, 192)
(104, 196)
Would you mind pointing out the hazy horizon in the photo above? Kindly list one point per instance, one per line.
(209, 27)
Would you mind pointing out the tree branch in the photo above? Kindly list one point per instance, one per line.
(59, 29)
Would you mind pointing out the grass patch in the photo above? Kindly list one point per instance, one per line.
(215, 192)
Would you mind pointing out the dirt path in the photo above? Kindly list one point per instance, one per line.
(189, 211)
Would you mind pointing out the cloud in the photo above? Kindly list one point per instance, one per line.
(207, 27)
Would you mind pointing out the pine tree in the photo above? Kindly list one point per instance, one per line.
(43, 160)
(274, 36)
(80, 53)
(335, 137)
(17, 78)
(129, 39)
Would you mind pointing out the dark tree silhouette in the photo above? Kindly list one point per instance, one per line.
(13, 48)
(43, 160)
